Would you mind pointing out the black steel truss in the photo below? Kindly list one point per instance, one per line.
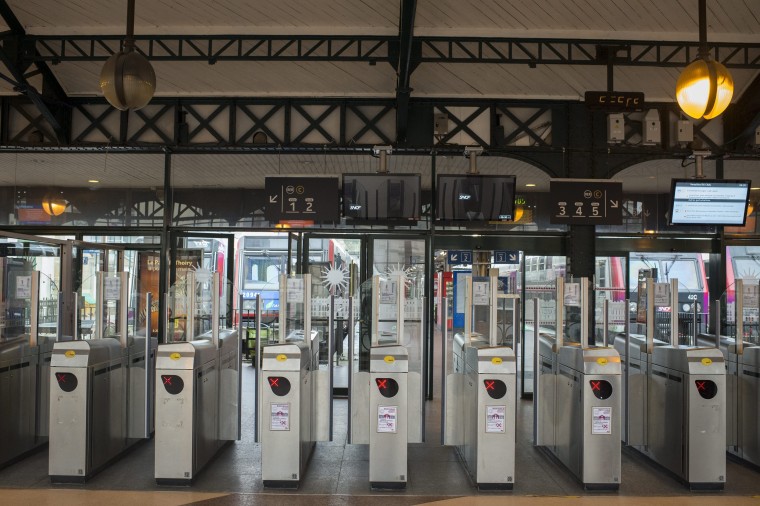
(372, 49)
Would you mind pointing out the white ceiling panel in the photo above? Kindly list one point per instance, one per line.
(728, 20)
(90, 17)
(77, 169)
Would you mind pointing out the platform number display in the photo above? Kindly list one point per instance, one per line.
(586, 202)
(302, 198)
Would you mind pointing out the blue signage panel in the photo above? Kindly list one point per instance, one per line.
(459, 257)
(506, 257)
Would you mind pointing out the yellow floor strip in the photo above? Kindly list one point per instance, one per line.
(606, 500)
(68, 497)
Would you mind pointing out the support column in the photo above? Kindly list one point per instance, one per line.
(165, 264)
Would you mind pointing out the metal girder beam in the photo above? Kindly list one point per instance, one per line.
(215, 48)
(407, 62)
(373, 49)
(13, 54)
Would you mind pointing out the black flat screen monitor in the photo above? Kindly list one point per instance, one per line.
(475, 198)
(709, 202)
(381, 196)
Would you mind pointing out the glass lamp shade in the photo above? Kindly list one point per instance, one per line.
(52, 205)
(519, 212)
(128, 81)
(704, 89)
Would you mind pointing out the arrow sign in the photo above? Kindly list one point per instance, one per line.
(313, 199)
(506, 257)
(585, 202)
(458, 257)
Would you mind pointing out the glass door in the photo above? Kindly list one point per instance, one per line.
(335, 263)
(204, 254)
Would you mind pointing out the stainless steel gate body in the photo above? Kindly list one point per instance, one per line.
(191, 411)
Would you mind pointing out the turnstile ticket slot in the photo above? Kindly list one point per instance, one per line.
(388, 387)
(706, 388)
(280, 385)
(495, 388)
(601, 389)
(67, 381)
(172, 383)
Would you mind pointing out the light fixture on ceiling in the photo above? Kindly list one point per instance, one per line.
(530, 185)
(53, 205)
(93, 181)
(704, 88)
(127, 79)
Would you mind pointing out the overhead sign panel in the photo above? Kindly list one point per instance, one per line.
(302, 198)
(506, 257)
(586, 202)
(615, 100)
(459, 257)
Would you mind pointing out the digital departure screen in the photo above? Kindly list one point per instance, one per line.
(475, 197)
(709, 202)
(381, 196)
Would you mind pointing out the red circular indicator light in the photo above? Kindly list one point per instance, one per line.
(495, 388)
(388, 387)
(67, 381)
(280, 386)
(706, 388)
(172, 383)
(601, 389)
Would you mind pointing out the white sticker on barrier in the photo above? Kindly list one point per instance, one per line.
(601, 420)
(662, 294)
(294, 290)
(280, 417)
(23, 287)
(387, 419)
(496, 418)
(112, 288)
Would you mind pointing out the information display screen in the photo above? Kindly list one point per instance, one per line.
(381, 196)
(475, 197)
(709, 202)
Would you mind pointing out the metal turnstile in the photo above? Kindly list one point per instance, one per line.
(295, 397)
(87, 408)
(577, 397)
(94, 386)
(686, 430)
(675, 398)
(286, 435)
(192, 415)
(386, 397)
(25, 354)
(388, 407)
(742, 355)
(480, 379)
(589, 414)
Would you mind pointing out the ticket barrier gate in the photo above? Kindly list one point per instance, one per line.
(94, 384)
(577, 398)
(196, 404)
(90, 425)
(479, 401)
(742, 396)
(676, 402)
(287, 441)
(295, 396)
(579, 410)
(386, 400)
(24, 396)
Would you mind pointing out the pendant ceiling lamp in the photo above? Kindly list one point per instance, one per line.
(127, 79)
(704, 88)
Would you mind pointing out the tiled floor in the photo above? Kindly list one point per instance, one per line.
(338, 474)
